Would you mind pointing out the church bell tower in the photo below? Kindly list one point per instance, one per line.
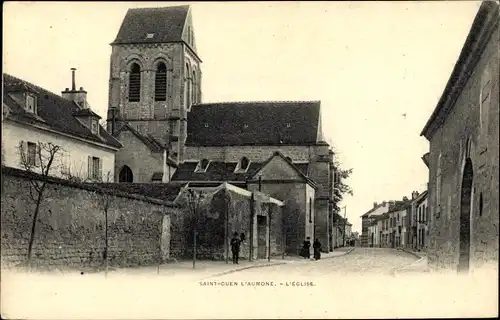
(155, 75)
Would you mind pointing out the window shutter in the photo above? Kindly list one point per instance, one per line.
(37, 155)
(89, 167)
(22, 152)
(100, 169)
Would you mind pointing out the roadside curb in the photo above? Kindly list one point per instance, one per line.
(245, 268)
(271, 264)
(397, 271)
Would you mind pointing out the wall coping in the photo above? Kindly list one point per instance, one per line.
(9, 171)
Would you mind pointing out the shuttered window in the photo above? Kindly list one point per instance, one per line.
(161, 82)
(134, 93)
(94, 168)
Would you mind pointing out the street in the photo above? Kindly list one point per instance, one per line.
(359, 284)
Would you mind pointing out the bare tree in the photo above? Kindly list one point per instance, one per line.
(195, 199)
(105, 200)
(37, 158)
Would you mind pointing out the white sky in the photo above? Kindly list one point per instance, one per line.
(368, 62)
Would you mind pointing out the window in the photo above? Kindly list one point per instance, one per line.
(194, 89)
(161, 82)
(134, 89)
(187, 87)
(94, 168)
(95, 126)
(30, 103)
(31, 157)
(202, 165)
(481, 204)
(310, 210)
(243, 164)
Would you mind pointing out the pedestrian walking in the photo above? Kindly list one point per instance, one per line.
(317, 249)
(235, 247)
(306, 246)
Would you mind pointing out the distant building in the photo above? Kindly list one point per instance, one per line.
(419, 221)
(34, 117)
(368, 218)
(463, 132)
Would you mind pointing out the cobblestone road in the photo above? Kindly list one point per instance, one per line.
(357, 285)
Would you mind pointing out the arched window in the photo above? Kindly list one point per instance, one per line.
(195, 88)
(134, 83)
(161, 82)
(244, 162)
(187, 87)
(126, 175)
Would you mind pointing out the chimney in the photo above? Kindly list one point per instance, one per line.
(375, 204)
(405, 198)
(78, 96)
(414, 195)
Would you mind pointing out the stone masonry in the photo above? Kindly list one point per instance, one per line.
(468, 134)
(70, 228)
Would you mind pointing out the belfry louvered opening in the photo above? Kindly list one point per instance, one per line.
(134, 93)
(161, 82)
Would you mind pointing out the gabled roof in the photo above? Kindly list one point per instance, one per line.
(399, 206)
(86, 113)
(166, 24)
(290, 163)
(152, 143)
(254, 123)
(53, 112)
(374, 208)
(222, 171)
(483, 26)
(421, 197)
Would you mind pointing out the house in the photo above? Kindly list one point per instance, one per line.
(463, 135)
(369, 217)
(156, 111)
(419, 221)
(35, 118)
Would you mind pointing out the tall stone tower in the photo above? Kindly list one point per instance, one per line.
(155, 75)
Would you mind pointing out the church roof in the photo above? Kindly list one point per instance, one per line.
(254, 123)
(53, 112)
(166, 24)
(220, 171)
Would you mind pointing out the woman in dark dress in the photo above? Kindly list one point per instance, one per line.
(305, 252)
(317, 249)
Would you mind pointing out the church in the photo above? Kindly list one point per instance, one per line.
(169, 135)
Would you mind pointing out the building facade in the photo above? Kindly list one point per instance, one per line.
(464, 153)
(419, 221)
(369, 217)
(37, 121)
(156, 111)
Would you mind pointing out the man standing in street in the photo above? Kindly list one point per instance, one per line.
(235, 247)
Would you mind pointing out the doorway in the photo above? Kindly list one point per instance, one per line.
(465, 215)
(126, 175)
